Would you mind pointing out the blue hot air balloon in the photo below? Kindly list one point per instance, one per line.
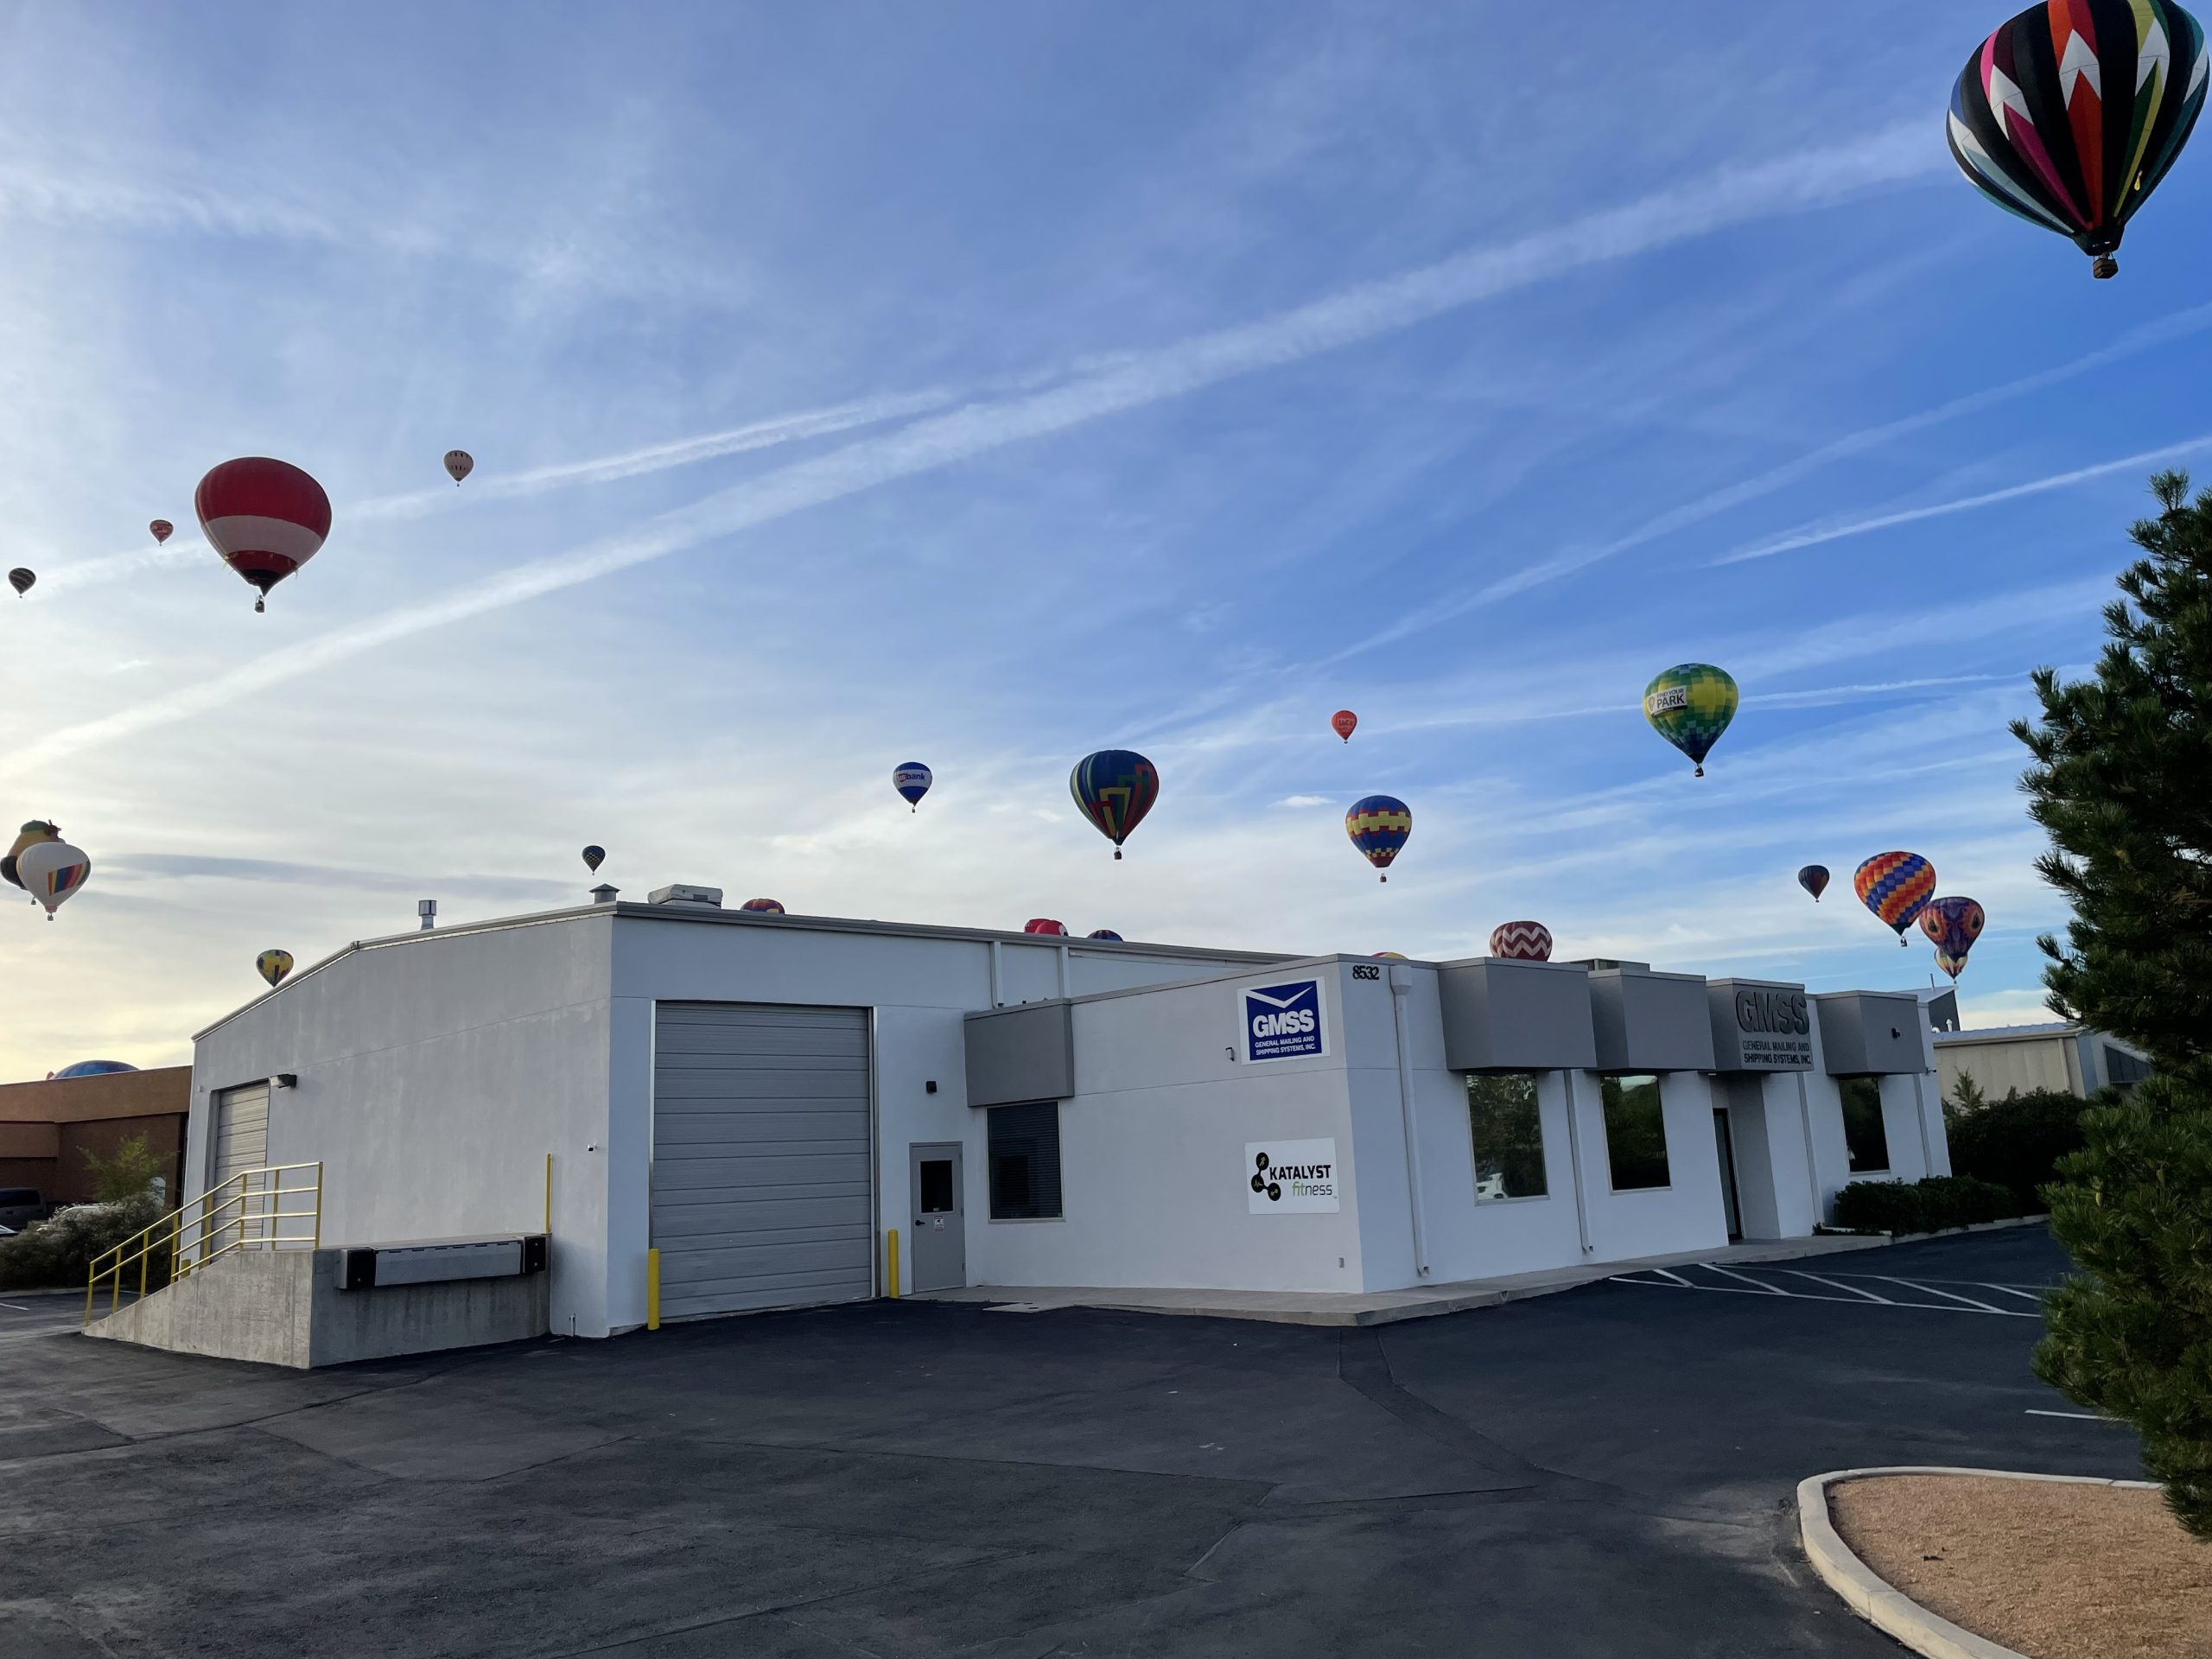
(1115, 788)
(913, 781)
(1106, 933)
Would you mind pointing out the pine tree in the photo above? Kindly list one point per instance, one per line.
(2122, 782)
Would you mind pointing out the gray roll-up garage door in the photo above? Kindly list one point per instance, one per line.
(241, 1131)
(760, 1190)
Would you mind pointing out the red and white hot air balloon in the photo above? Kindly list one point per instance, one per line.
(163, 531)
(1344, 723)
(265, 519)
(1521, 942)
(459, 465)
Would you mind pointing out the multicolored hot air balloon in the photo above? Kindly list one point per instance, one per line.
(1521, 942)
(1115, 788)
(1953, 924)
(163, 531)
(2071, 114)
(1045, 924)
(762, 907)
(913, 781)
(1814, 878)
(33, 832)
(264, 518)
(459, 465)
(1690, 705)
(1344, 723)
(1897, 888)
(23, 579)
(1379, 826)
(52, 871)
(1105, 933)
(273, 965)
(593, 857)
(1390, 955)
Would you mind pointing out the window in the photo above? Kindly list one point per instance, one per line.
(937, 1186)
(2123, 1069)
(1636, 1132)
(1863, 1137)
(1509, 1134)
(1026, 1162)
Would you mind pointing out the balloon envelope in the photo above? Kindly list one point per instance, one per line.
(1106, 933)
(913, 781)
(1343, 722)
(2071, 114)
(1043, 925)
(1895, 886)
(1953, 924)
(33, 832)
(1690, 705)
(1952, 965)
(1814, 878)
(273, 965)
(1115, 788)
(264, 518)
(52, 871)
(1521, 942)
(1379, 826)
(460, 463)
(23, 579)
(163, 531)
(763, 906)
(593, 857)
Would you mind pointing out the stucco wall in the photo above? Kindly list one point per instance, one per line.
(2027, 1063)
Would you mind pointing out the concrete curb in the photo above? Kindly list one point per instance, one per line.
(1873, 1599)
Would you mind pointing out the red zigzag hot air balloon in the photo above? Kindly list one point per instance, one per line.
(264, 517)
(1521, 942)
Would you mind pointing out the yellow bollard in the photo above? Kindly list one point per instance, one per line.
(652, 1290)
(891, 1264)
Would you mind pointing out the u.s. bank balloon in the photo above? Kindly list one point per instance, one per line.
(264, 518)
(1897, 888)
(2071, 114)
(1114, 789)
(1814, 878)
(273, 965)
(1953, 924)
(37, 831)
(1045, 924)
(913, 781)
(1690, 705)
(53, 873)
(1379, 826)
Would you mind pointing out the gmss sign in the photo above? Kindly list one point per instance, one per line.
(1283, 1022)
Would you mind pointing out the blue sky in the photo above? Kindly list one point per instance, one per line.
(986, 385)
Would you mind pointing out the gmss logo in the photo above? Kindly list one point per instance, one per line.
(1283, 1022)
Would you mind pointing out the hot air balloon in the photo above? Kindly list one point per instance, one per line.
(1343, 722)
(1953, 924)
(33, 832)
(1690, 705)
(1895, 886)
(23, 580)
(763, 906)
(163, 531)
(265, 519)
(2071, 114)
(460, 463)
(913, 781)
(1105, 933)
(1115, 788)
(1045, 924)
(1814, 878)
(273, 965)
(1378, 826)
(52, 871)
(1521, 942)
(593, 857)
(1390, 955)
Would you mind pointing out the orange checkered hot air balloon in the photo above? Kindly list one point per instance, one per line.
(1897, 888)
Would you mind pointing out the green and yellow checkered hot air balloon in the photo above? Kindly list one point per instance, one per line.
(1690, 705)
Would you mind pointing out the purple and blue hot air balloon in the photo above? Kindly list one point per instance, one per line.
(1106, 933)
(1379, 826)
(1953, 924)
(913, 781)
(1115, 788)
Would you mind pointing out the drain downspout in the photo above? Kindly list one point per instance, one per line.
(1920, 1117)
(1401, 985)
(1574, 1159)
(1811, 1170)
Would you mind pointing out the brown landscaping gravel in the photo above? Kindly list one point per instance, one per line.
(2054, 1570)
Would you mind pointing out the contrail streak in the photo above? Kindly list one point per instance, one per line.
(1733, 196)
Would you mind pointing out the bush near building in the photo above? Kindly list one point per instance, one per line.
(1924, 1206)
(2017, 1141)
(58, 1253)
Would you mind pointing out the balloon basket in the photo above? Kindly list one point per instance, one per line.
(260, 605)
(2106, 269)
(1699, 772)
(1117, 852)
(1382, 878)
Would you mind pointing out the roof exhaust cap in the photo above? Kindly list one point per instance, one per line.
(691, 897)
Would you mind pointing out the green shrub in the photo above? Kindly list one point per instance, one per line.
(58, 1252)
(2017, 1142)
(1924, 1206)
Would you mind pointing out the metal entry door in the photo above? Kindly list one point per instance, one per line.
(1728, 1151)
(939, 1250)
(761, 1188)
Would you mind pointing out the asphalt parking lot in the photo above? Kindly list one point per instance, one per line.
(1604, 1471)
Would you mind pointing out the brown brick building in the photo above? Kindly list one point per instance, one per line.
(47, 1127)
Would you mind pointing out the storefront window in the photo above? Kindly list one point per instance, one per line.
(1864, 1136)
(1509, 1133)
(1636, 1132)
(1025, 1149)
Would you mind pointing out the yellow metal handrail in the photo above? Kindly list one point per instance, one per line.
(247, 1212)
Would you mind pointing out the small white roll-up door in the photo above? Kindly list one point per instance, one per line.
(761, 1157)
(241, 1131)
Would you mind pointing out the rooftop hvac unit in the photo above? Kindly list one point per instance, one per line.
(696, 898)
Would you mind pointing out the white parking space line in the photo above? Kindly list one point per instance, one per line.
(1986, 1307)
(2079, 1416)
(1854, 1295)
(2013, 1290)
(1676, 1277)
(1760, 1284)
(1834, 1284)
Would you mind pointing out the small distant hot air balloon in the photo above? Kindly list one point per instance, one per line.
(1897, 888)
(460, 463)
(763, 906)
(1115, 788)
(1521, 942)
(1379, 826)
(1043, 925)
(264, 518)
(913, 781)
(33, 832)
(273, 965)
(23, 579)
(52, 871)
(2071, 114)
(163, 531)
(1390, 955)
(1105, 933)
(1690, 705)
(1343, 722)
(593, 857)
(1814, 878)
(1953, 924)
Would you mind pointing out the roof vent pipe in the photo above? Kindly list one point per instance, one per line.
(603, 894)
(428, 909)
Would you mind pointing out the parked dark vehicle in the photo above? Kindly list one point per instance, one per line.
(20, 1206)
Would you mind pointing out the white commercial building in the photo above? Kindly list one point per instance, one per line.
(763, 1101)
